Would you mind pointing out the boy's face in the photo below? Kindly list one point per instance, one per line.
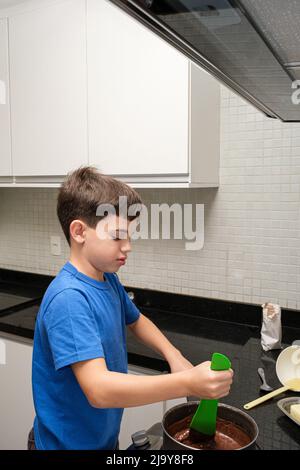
(106, 247)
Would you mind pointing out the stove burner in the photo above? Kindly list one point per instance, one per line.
(148, 440)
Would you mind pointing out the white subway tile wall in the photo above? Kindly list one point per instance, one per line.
(252, 222)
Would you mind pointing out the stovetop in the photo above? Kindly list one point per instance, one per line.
(152, 439)
(22, 318)
(8, 300)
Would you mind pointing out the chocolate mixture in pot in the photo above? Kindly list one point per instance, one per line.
(229, 436)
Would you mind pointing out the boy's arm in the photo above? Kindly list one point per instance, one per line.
(106, 389)
(148, 333)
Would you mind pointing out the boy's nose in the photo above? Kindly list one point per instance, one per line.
(126, 246)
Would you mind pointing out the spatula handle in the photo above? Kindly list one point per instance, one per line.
(260, 400)
(204, 420)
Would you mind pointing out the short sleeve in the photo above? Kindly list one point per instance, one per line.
(71, 328)
(132, 313)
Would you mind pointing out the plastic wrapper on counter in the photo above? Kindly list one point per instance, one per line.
(271, 331)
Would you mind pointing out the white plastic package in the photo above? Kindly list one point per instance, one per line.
(271, 331)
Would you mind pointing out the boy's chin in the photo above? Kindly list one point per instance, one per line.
(113, 269)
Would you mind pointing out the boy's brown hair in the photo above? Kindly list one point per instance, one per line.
(84, 190)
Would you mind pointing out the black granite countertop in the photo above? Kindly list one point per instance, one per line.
(198, 327)
(198, 338)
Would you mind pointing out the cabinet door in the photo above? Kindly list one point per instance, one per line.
(139, 417)
(138, 96)
(5, 151)
(16, 404)
(168, 404)
(48, 89)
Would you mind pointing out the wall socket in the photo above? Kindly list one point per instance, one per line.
(55, 245)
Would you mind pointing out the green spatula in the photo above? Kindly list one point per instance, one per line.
(204, 420)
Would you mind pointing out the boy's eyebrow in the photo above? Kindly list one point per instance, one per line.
(119, 231)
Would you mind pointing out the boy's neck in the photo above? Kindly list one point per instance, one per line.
(86, 268)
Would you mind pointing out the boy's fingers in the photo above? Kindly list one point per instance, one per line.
(224, 376)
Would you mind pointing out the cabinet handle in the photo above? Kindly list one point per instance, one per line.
(2, 92)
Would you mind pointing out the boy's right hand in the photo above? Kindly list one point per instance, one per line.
(205, 383)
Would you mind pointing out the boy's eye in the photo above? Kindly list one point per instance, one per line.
(115, 237)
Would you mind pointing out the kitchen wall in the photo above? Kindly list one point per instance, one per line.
(252, 223)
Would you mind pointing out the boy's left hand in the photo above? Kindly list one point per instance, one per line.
(178, 362)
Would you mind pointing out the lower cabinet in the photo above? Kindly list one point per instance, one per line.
(139, 417)
(143, 417)
(171, 403)
(16, 404)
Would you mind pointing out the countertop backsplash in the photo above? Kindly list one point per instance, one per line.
(252, 222)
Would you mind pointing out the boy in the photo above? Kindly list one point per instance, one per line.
(79, 375)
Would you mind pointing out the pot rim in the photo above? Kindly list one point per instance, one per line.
(222, 405)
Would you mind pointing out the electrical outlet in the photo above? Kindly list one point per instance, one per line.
(55, 245)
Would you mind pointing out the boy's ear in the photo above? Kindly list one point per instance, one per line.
(78, 231)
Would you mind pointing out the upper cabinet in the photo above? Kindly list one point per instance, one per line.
(48, 89)
(153, 116)
(138, 95)
(89, 84)
(5, 151)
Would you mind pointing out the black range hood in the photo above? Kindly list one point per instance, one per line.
(252, 46)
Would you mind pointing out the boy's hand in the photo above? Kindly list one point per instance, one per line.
(178, 362)
(208, 384)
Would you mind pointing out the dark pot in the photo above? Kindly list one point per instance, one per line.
(224, 411)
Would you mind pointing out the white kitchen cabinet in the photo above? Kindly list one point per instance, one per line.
(16, 404)
(5, 150)
(168, 404)
(48, 89)
(153, 115)
(139, 417)
(90, 84)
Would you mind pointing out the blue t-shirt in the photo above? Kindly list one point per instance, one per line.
(79, 319)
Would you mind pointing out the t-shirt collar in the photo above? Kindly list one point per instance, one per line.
(83, 277)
